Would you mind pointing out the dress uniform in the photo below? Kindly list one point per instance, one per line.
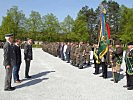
(96, 61)
(129, 66)
(117, 61)
(9, 61)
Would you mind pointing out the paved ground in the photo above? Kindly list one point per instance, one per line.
(53, 79)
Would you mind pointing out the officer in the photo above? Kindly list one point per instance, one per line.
(9, 61)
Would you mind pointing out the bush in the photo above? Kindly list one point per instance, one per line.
(37, 46)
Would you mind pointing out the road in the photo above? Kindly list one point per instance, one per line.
(54, 79)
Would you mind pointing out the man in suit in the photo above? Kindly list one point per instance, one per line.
(18, 61)
(28, 56)
(9, 61)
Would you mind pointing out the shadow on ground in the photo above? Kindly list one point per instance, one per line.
(35, 79)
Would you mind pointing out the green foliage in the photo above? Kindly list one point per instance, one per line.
(35, 22)
(67, 25)
(14, 22)
(84, 28)
(126, 25)
(37, 46)
(51, 24)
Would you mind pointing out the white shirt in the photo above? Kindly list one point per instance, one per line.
(65, 48)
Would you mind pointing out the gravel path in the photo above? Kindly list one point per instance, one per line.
(53, 79)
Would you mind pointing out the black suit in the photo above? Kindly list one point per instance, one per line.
(18, 54)
(28, 57)
(9, 60)
(18, 63)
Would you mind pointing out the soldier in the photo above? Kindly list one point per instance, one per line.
(80, 55)
(61, 50)
(9, 61)
(87, 54)
(104, 64)
(117, 61)
(68, 50)
(56, 49)
(73, 54)
(96, 59)
(129, 66)
(77, 55)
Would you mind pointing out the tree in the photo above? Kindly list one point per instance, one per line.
(51, 27)
(113, 18)
(67, 24)
(126, 24)
(85, 23)
(80, 30)
(7, 26)
(34, 24)
(14, 22)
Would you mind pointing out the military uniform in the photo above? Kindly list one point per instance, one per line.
(117, 61)
(80, 56)
(129, 66)
(76, 56)
(9, 60)
(104, 64)
(72, 54)
(96, 63)
(87, 54)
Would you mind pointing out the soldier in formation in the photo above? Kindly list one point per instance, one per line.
(78, 54)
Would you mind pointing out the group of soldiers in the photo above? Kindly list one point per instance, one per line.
(78, 54)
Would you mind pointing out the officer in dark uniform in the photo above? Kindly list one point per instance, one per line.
(9, 61)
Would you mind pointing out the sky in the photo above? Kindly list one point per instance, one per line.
(60, 8)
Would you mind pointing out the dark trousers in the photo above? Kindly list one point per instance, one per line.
(27, 62)
(68, 57)
(16, 72)
(129, 80)
(97, 66)
(104, 70)
(8, 78)
(116, 76)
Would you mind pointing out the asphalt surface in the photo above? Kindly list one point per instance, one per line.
(54, 79)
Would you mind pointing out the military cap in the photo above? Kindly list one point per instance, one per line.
(130, 43)
(8, 35)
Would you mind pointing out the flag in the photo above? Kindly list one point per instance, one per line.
(103, 37)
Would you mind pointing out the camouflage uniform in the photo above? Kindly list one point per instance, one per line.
(87, 54)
